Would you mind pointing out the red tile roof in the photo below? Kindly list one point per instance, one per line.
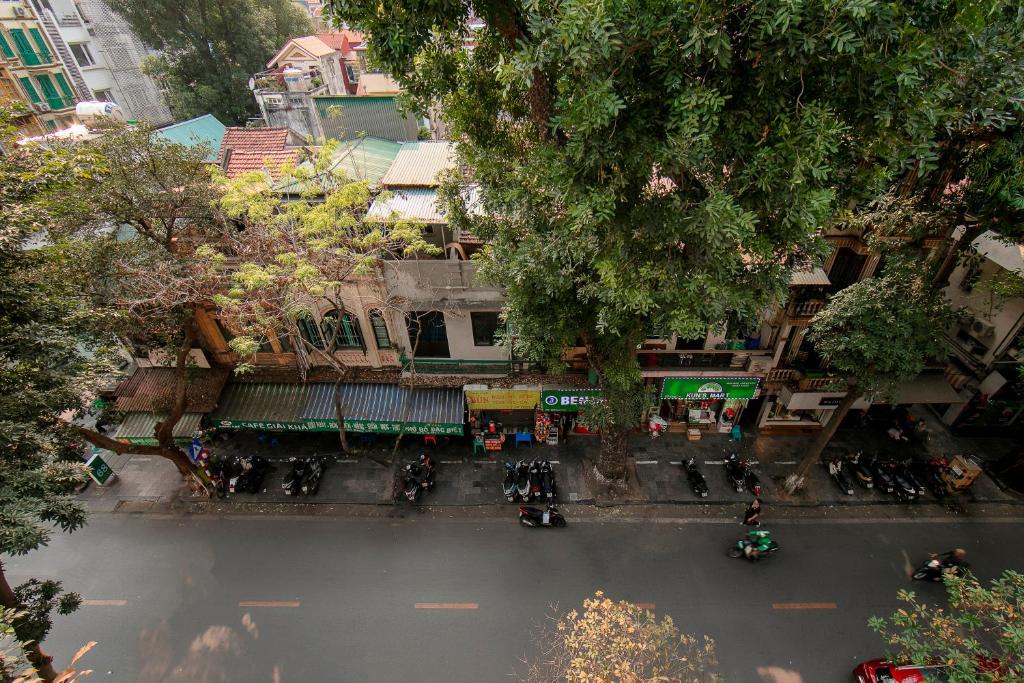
(244, 161)
(152, 389)
(252, 140)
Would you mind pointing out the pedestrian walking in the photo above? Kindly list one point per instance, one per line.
(752, 517)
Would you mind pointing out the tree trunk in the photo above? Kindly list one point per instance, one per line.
(339, 414)
(175, 455)
(42, 662)
(611, 460)
(813, 454)
(165, 428)
(941, 279)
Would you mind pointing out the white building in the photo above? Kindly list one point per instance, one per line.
(103, 56)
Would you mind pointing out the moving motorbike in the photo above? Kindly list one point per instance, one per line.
(835, 470)
(756, 545)
(508, 486)
(936, 567)
(696, 479)
(531, 516)
(859, 470)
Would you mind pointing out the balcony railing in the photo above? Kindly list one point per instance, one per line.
(57, 103)
(727, 359)
(451, 366)
(806, 309)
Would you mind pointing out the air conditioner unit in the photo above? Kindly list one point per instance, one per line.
(41, 106)
(982, 329)
(20, 12)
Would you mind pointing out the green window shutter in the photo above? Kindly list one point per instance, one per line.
(62, 83)
(5, 47)
(51, 125)
(50, 93)
(30, 89)
(28, 55)
(44, 49)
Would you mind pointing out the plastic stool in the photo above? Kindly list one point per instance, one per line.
(429, 440)
(478, 445)
(737, 434)
(524, 437)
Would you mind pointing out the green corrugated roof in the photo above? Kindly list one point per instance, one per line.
(352, 117)
(364, 159)
(204, 130)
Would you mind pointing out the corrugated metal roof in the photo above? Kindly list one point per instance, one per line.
(150, 389)
(204, 130)
(364, 159)
(417, 204)
(349, 118)
(298, 402)
(140, 427)
(418, 164)
(808, 276)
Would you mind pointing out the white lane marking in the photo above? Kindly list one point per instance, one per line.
(786, 462)
(554, 462)
(347, 460)
(675, 462)
(452, 462)
(646, 462)
(104, 603)
(714, 462)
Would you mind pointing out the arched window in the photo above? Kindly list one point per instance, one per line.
(380, 330)
(349, 336)
(309, 331)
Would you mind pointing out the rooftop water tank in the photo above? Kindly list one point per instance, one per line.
(94, 113)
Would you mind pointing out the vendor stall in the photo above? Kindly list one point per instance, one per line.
(705, 402)
(498, 415)
(560, 408)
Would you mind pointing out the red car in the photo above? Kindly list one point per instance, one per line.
(881, 671)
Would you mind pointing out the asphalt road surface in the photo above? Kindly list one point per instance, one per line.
(285, 600)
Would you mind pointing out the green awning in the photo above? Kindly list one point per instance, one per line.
(711, 388)
(139, 427)
(379, 408)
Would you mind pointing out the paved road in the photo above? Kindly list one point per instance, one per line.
(203, 599)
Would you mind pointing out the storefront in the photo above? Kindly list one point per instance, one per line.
(370, 408)
(559, 411)
(801, 410)
(140, 428)
(500, 413)
(705, 402)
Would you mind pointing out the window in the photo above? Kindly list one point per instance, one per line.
(104, 96)
(82, 54)
(30, 89)
(310, 332)
(348, 335)
(62, 83)
(44, 49)
(5, 47)
(485, 325)
(25, 51)
(225, 333)
(380, 330)
(846, 269)
(50, 93)
(351, 74)
(428, 335)
(51, 125)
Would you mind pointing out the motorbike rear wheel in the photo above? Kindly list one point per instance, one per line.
(558, 522)
(734, 552)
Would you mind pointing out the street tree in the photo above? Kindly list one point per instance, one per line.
(208, 49)
(664, 165)
(619, 642)
(131, 232)
(978, 635)
(45, 370)
(874, 335)
(297, 256)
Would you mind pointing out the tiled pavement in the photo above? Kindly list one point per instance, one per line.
(366, 477)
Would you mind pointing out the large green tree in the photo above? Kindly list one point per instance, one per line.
(210, 48)
(44, 373)
(875, 334)
(660, 163)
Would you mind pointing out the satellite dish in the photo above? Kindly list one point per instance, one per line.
(252, 83)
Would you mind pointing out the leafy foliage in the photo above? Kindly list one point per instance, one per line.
(40, 599)
(979, 636)
(209, 49)
(619, 642)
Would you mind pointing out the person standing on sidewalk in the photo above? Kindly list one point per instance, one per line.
(752, 517)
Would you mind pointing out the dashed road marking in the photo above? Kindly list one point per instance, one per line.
(675, 462)
(452, 462)
(447, 605)
(786, 462)
(105, 603)
(292, 604)
(646, 462)
(714, 462)
(803, 605)
(347, 460)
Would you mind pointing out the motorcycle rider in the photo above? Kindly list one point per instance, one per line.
(954, 559)
(756, 543)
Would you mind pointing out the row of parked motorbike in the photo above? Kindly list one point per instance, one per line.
(246, 474)
(904, 480)
(528, 481)
(737, 470)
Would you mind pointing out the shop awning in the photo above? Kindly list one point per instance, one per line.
(704, 388)
(931, 388)
(381, 408)
(139, 428)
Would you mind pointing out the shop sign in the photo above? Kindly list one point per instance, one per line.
(830, 401)
(502, 399)
(99, 470)
(375, 426)
(567, 399)
(711, 388)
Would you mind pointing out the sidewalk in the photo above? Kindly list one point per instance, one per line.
(365, 477)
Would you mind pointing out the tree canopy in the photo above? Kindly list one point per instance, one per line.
(210, 48)
(666, 164)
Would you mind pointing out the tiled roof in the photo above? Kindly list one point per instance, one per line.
(418, 164)
(804, 276)
(204, 130)
(350, 118)
(152, 389)
(313, 45)
(253, 140)
(244, 161)
(340, 40)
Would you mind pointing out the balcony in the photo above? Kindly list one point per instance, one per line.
(450, 366)
(69, 20)
(652, 361)
(58, 103)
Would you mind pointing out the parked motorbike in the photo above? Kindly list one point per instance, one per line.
(750, 480)
(531, 516)
(883, 479)
(508, 486)
(547, 481)
(292, 483)
(697, 481)
(252, 469)
(314, 472)
(427, 472)
(907, 472)
(835, 470)
(938, 566)
(414, 482)
(933, 474)
(904, 491)
(734, 471)
(756, 545)
(523, 480)
(859, 470)
(536, 492)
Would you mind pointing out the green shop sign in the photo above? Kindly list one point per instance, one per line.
(99, 470)
(567, 399)
(711, 388)
(376, 426)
